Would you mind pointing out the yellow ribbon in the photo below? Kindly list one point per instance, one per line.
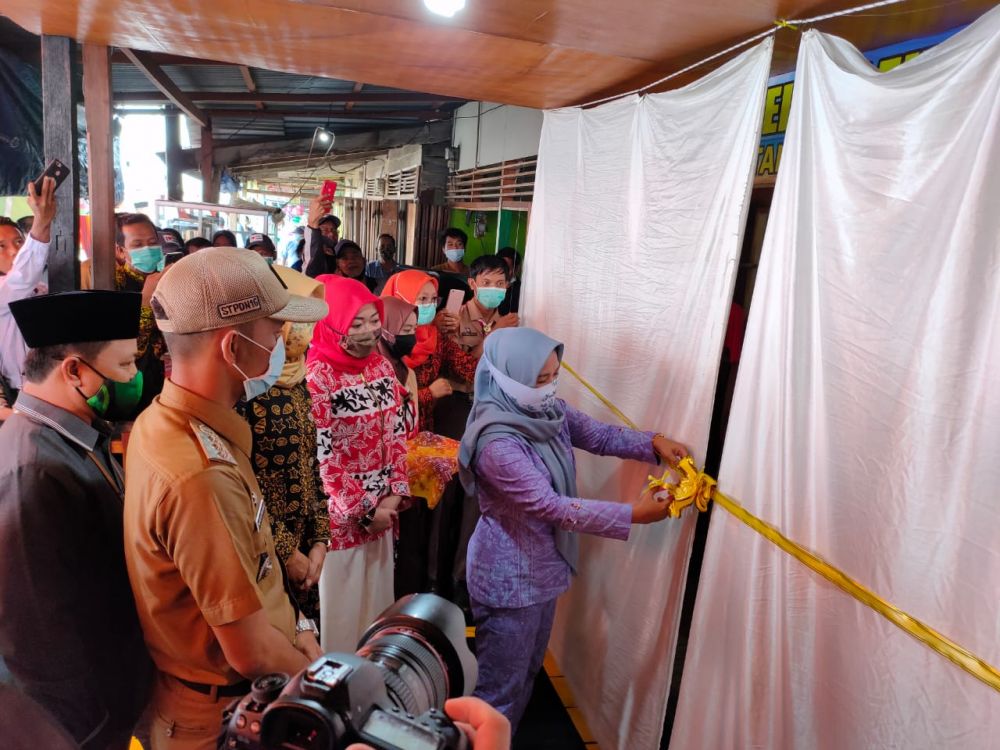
(781, 23)
(696, 488)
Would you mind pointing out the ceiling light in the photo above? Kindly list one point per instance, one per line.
(446, 8)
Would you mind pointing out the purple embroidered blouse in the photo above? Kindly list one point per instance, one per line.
(512, 560)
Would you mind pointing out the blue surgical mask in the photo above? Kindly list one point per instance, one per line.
(490, 297)
(456, 255)
(258, 386)
(147, 259)
(426, 313)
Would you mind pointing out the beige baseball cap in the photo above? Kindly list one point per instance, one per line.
(225, 286)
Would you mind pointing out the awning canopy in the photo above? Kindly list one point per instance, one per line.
(536, 53)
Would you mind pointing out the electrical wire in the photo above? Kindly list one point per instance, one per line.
(780, 24)
(480, 114)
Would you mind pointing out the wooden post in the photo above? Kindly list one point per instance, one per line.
(209, 185)
(100, 162)
(59, 126)
(175, 191)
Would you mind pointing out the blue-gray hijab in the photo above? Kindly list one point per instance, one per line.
(520, 354)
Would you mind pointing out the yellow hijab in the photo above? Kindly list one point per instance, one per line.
(297, 335)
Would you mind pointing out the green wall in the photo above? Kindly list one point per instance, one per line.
(513, 231)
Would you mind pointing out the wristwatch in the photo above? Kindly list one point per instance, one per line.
(305, 625)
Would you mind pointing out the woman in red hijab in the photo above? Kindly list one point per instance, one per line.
(435, 359)
(362, 458)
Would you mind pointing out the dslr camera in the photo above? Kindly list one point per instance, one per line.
(388, 695)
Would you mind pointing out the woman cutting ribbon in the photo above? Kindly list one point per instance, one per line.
(517, 457)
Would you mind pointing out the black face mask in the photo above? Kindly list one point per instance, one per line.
(403, 345)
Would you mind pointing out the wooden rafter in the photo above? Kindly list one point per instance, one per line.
(250, 83)
(168, 89)
(133, 97)
(319, 114)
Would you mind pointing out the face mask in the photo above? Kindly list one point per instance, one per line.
(254, 387)
(361, 345)
(490, 297)
(114, 400)
(455, 256)
(426, 313)
(269, 261)
(532, 400)
(403, 344)
(147, 259)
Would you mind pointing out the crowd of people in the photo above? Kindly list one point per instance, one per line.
(300, 449)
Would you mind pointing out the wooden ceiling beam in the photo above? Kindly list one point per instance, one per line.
(119, 57)
(168, 89)
(250, 83)
(411, 115)
(287, 98)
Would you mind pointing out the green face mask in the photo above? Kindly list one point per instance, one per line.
(115, 401)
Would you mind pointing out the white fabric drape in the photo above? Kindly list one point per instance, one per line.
(635, 234)
(866, 419)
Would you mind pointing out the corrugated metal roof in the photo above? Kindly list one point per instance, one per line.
(203, 76)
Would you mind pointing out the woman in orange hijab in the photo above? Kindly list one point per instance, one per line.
(433, 355)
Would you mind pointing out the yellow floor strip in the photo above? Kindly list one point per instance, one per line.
(562, 688)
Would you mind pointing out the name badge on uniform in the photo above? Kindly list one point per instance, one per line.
(259, 516)
(264, 567)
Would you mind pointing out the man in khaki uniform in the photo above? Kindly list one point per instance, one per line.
(209, 589)
(488, 279)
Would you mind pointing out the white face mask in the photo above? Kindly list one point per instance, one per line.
(258, 386)
(533, 400)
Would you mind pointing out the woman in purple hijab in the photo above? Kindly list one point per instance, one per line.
(517, 457)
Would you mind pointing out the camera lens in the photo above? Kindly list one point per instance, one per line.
(419, 643)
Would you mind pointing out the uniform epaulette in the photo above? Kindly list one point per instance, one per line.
(213, 446)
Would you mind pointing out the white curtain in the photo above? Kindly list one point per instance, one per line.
(866, 419)
(635, 234)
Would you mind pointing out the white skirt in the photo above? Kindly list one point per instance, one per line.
(356, 585)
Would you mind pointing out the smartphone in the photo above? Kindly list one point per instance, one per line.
(329, 190)
(456, 298)
(56, 170)
(172, 257)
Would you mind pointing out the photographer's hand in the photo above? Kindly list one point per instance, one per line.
(487, 728)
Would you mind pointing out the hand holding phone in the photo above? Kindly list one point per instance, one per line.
(456, 298)
(318, 208)
(57, 171)
(43, 205)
